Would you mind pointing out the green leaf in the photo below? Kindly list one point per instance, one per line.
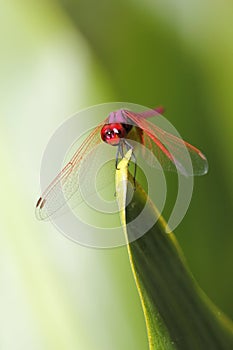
(178, 314)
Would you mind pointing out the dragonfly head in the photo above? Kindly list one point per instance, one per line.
(112, 133)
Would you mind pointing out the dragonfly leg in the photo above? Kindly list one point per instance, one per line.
(122, 149)
(119, 152)
(128, 147)
(117, 157)
(135, 169)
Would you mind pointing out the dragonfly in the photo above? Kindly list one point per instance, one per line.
(119, 129)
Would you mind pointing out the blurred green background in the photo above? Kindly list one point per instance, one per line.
(58, 57)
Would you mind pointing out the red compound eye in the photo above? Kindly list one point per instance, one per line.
(112, 133)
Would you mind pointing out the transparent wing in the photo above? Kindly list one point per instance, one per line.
(66, 183)
(172, 152)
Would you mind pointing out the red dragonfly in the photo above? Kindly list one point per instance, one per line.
(173, 153)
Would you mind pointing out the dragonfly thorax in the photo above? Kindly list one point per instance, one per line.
(112, 133)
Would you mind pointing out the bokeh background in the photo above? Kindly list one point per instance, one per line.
(58, 57)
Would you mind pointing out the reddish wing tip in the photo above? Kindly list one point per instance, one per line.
(160, 109)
